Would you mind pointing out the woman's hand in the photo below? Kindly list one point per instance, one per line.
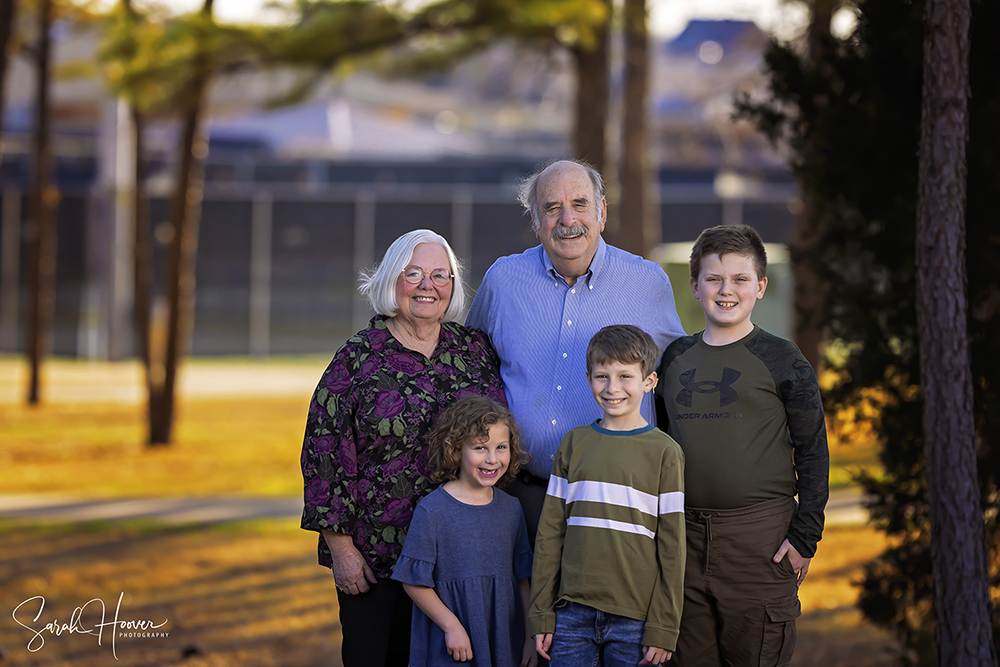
(350, 570)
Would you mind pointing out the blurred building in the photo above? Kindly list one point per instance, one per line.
(298, 199)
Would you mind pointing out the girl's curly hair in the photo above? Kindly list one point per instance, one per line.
(470, 418)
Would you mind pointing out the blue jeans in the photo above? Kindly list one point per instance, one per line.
(587, 637)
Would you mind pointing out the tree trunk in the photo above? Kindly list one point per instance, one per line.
(963, 630)
(42, 257)
(142, 252)
(639, 228)
(185, 212)
(8, 14)
(808, 296)
(592, 95)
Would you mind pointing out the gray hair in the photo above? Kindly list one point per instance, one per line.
(527, 189)
(379, 284)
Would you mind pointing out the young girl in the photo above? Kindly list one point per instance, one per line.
(466, 561)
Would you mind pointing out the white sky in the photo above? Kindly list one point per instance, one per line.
(667, 17)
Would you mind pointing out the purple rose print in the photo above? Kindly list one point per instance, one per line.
(396, 466)
(497, 394)
(316, 410)
(397, 512)
(317, 492)
(468, 391)
(348, 457)
(323, 445)
(388, 404)
(337, 506)
(423, 382)
(377, 338)
(338, 380)
(402, 362)
(370, 367)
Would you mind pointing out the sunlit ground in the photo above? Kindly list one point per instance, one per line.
(247, 593)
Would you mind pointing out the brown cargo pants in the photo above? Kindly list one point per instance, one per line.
(739, 605)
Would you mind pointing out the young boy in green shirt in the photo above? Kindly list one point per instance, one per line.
(607, 581)
(745, 407)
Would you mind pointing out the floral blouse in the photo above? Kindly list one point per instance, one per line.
(364, 458)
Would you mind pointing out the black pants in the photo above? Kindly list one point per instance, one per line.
(376, 626)
(530, 492)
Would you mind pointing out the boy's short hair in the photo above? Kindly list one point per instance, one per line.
(624, 343)
(729, 239)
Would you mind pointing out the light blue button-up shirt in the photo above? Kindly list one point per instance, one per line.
(541, 326)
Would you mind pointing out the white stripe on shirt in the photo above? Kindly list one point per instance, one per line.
(671, 502)
(557, 487)
(611, 494)
(621, 526)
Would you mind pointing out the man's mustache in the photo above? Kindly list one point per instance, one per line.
(566, 232)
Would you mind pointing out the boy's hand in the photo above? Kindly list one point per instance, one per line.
(529, 658)
(543, 643)
(798, 563)
(655, 656)
(459, 645)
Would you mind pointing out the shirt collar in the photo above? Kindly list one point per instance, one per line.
(595, 264)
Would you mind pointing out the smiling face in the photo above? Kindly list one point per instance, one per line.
(619, 388)
(485, 462)
(424, 301)
(569, 220)
(727, 288)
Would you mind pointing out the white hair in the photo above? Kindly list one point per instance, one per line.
(527, 189)
(379, 284)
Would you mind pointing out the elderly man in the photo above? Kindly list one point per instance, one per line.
(541, 307)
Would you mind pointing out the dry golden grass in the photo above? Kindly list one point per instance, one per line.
(831, 630)
(242, 594)
(222, 446)
(250, 594)
(238, 430)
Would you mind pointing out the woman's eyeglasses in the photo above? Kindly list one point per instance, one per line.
(415, 275)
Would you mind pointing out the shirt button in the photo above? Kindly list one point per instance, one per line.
(572, 291)
(552, 457)
(559, 388)
(564, 355)
(569, 321)
(591, 287)
(553, 422)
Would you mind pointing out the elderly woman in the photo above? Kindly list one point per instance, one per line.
(364, 459)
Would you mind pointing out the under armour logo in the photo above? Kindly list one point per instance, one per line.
(727, 394)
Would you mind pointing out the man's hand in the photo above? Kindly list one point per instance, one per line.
(543, 643)
(795, 559)
(655, 656)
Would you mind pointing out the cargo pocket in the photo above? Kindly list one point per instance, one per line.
(779, 631)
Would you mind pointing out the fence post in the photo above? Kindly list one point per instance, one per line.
(260, 274)
(364, 250)
(461, 223)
